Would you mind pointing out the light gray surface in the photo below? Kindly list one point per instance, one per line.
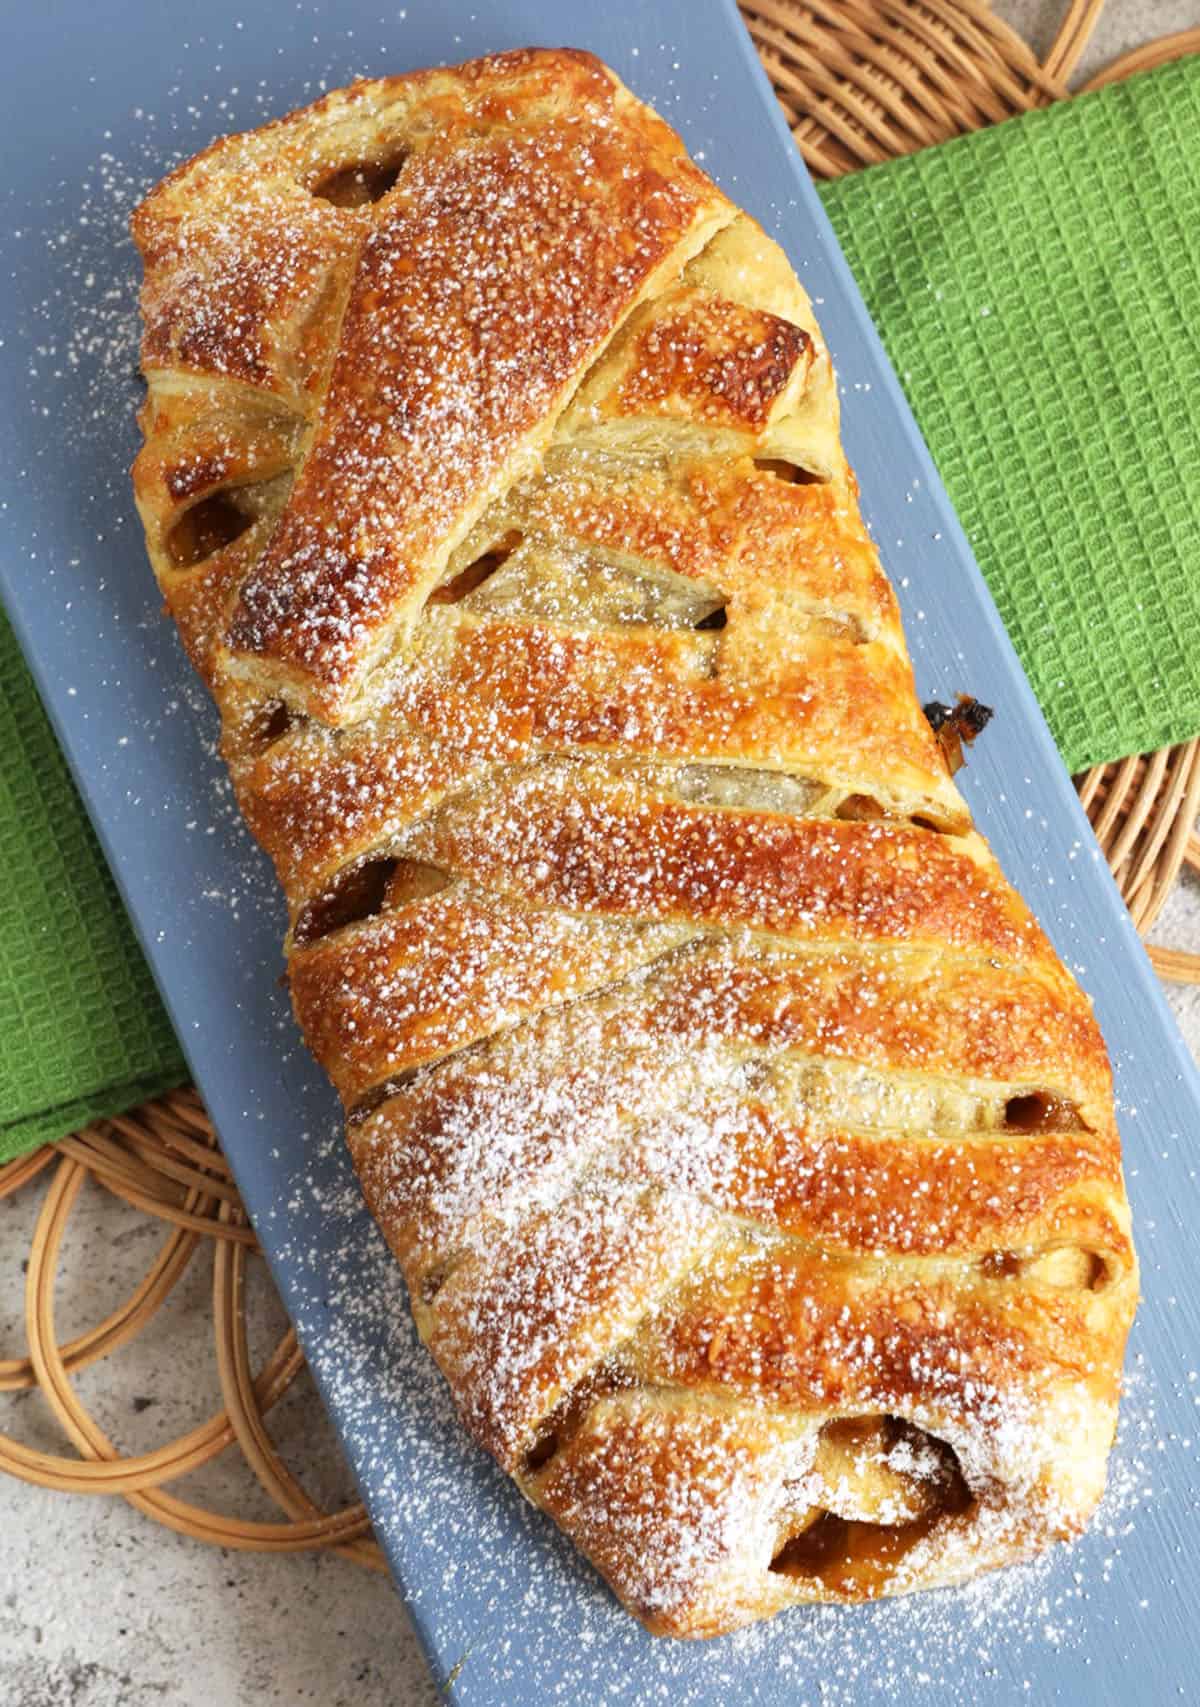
(101, 1608)
(1124, 24)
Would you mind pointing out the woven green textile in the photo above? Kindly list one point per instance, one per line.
(82, 1031)
(1038, 286)
(1038, 289)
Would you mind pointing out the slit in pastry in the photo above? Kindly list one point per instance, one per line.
(877, 1487)
(791, 472)
(362, 891)
(716, 619)
(476, 573)
(1068, 1268)
(1040, 1111)
(206, 528)
(361, 183)
(580, 588)
(569, 1415)
(216, 521)
(272, 721)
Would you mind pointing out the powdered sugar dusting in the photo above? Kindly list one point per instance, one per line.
(422, 1479)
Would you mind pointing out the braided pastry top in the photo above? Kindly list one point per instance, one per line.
(750, 1155)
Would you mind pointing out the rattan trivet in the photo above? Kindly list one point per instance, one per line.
(860, 81)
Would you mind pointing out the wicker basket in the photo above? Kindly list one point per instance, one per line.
(860, 81)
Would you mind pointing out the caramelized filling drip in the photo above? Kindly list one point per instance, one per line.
(957, 725)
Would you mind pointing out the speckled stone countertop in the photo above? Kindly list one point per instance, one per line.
(101, 1608)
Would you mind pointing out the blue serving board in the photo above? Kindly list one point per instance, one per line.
(100, 99)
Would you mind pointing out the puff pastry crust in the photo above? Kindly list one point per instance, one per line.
(749, 1154)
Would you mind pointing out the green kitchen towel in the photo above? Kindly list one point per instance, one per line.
(1038, 287)
(82, 1031)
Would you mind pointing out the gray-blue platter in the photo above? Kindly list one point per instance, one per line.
(100, 99)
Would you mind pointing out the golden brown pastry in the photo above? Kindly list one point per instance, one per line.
(750, 1156)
